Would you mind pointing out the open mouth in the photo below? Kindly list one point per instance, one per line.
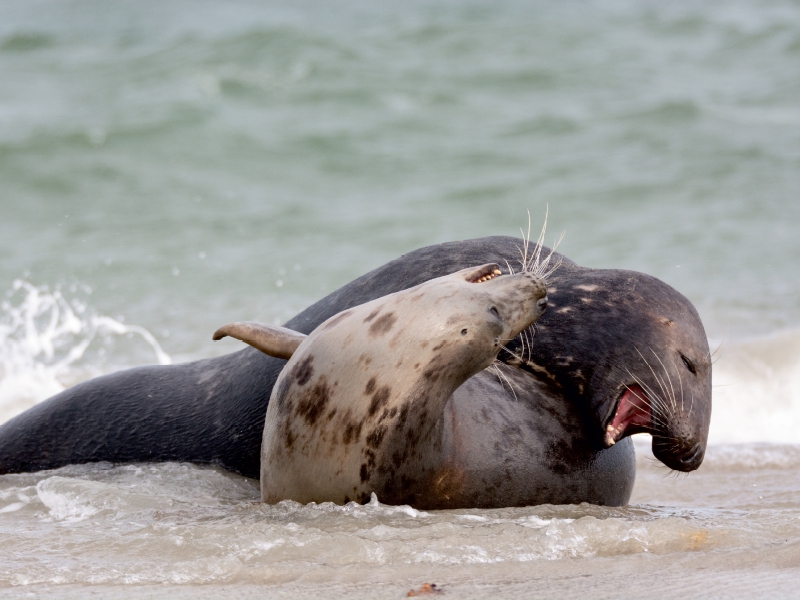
(490, 272)
(632, 415)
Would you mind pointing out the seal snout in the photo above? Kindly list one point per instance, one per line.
(669, 451)
(542, 304)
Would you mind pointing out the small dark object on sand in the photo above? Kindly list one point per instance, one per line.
(427, 588)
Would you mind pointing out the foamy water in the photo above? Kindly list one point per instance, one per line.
(757, 390)
(121, 527)
(48, 342)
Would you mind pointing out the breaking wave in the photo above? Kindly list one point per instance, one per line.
(49, 342)
(756, 394)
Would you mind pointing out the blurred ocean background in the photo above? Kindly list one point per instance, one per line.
(168, 167)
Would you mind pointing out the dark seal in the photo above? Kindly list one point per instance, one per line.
(616, 353)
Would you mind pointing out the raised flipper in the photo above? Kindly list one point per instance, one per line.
(270, 339)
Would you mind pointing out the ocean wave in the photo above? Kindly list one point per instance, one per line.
(756, 395)
(48, 342)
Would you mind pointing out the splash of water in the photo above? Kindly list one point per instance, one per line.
(43, 339)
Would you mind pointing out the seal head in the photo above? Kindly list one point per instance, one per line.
(634, 351)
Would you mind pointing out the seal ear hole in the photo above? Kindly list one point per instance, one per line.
(463, 332)
(688, 364)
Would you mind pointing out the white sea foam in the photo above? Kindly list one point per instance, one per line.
(177, 523)
(44, 338)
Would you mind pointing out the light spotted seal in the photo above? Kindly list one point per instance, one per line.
(354, 410)
(615, 348)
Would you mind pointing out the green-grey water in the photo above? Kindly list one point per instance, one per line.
(167, 167)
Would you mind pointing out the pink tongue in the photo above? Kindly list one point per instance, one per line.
(633, 413)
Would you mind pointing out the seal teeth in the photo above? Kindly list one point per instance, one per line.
(612, 433)
(488, 276)
(491, 275)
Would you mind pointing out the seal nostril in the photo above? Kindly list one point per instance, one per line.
(542, 303)
(692, 456)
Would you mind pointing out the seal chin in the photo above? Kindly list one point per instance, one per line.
(677, 457)
(632, 415)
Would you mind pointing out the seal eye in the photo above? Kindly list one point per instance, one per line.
(688, 364)
(494, 311)
(463, 332)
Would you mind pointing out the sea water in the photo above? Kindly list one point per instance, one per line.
(168, 167)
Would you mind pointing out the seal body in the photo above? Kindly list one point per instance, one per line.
(354, 411)
(615, 348)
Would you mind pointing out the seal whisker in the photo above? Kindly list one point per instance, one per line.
(531, 259)
(537, 250)
(525, 243)
(528, 241)
(653, 417)
(502, 377)
(657, 378)
(666, 372)
(669, 392)
(659, 409)
(668, 471)
(655, 402)
(544, 271)
(655, 398)
(514, 354)
(527, 335)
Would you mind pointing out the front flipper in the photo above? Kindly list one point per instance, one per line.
(270, 339)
